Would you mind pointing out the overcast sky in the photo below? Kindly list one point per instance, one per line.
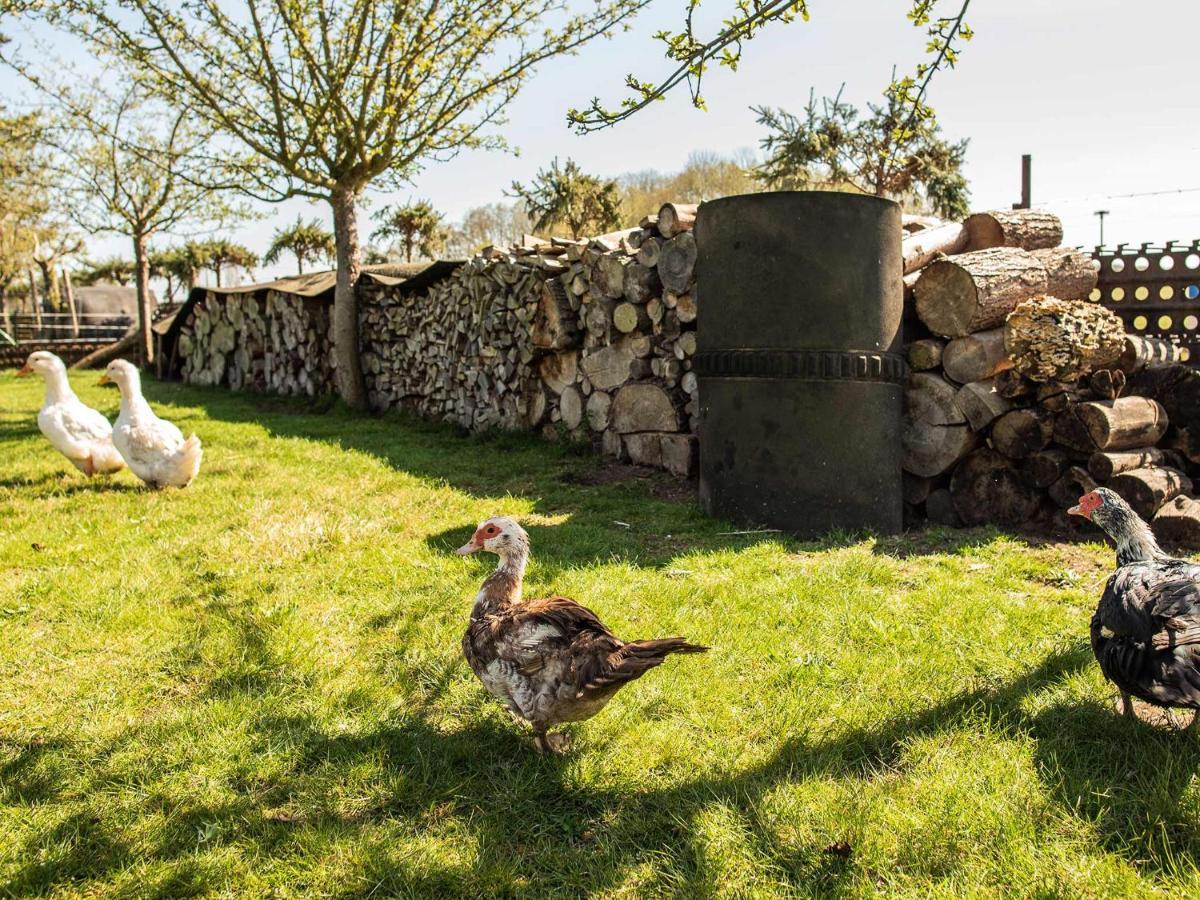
(1102, 93)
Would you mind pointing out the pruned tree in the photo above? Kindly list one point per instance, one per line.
(22, 203)
(832, 146)
(219, 254)
(178, 266)
(413, 226)
(307, 241)
(334, 97)
(567, 196)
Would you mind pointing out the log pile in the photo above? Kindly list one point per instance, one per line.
(1025, 394)
(262, 341)
(580, 340)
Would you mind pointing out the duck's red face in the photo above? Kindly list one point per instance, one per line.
(484, 533)
(1087, 505)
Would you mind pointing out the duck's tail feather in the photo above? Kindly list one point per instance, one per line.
(189, 461)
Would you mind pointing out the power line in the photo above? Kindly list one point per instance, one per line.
(1091, 197)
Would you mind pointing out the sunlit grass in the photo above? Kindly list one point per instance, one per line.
(254, 686)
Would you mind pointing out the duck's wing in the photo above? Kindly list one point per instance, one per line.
(74, 428)
(152, 441)
(532, 632)
(1174, 605)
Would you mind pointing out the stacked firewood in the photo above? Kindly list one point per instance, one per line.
(1025, 393)
(589, 340)
(262, 341)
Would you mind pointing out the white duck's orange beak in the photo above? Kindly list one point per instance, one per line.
(26, 369)
(468, 548)
(104, 379)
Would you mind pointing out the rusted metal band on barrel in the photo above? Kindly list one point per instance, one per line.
(804, 365)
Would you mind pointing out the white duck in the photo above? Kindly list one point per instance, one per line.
(77, 431)
(153, 448)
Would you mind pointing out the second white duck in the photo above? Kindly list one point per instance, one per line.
(153, 448)
(80, 433)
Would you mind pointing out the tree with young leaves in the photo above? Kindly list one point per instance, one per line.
(22, 203)
(567, 196)
(219, 254)
(178, 266)
(691, 54)
(137, 170)
(833, 147)
(413, 226)
(111, 270)
(334, 97)
(307, 241)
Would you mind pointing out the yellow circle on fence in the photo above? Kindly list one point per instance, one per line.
(1185, 354)
(1142, 293)
(1166, 292)
(1139, 323)
(1165, 322)
(1096, 295)
(1118, 294)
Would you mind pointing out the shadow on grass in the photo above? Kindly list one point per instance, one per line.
(536, 823)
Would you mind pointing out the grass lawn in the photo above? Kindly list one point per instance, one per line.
(254, 686)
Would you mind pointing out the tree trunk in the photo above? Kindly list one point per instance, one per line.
(72, 309)
(299, 263)
(34, 301)
(974, 291)
(141, 263)
(348, 372)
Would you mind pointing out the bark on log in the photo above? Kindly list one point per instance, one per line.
(1146, 490)
(676, 262)
(976, 291)
(643, 407)
(608, 276)
(925, 354)
(975, 357)
(936, 434)
(1029, 229)
(1070, 274)
(1103, 466)
(980, 403)
(921, 248)
(1062, 340)
(1178, 522)
(1145, 352)
(104, 355)
(1023, 432)
(987, 488)
(556, 325)
(675, 218)
(1123, 424)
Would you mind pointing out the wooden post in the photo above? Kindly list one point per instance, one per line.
(33, 299)
(72, 310)
(1026, 182)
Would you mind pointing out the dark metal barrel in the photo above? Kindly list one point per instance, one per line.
(801, 376)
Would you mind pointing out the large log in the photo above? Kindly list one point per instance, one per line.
(987, 488)
(1141, 352)
(1104, 466)
(1122, 424)
(641, 283)
(1045, 467)
(1146, 490)
(1178, 522)
(1070, 274)
(936, 434)
(558, 370)
(1074, 483)
(556, 324)
(1062, 340)
(921, 248)
(643, 407)
(608, 368)
(1029, 229)
(980, 403)
(974, 357)
(1022, 432)
(925, 354)
(975, 291)
(676, 262)
(675, 218)
(939, 508)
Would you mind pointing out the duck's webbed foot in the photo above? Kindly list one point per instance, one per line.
(557, 743)
(1127, 706)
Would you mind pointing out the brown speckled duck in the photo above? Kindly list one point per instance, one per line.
(548, 661)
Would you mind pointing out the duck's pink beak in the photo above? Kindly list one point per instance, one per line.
(468, 548)
(1078, 511)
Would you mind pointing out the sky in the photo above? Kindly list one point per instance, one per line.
(1101, 93)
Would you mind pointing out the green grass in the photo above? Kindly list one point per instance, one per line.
(254, 687)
